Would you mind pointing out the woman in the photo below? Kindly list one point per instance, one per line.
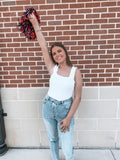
(59, 107)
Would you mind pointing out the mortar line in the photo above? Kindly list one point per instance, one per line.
(112, 154)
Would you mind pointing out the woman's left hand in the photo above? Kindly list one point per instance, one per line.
(65, 123)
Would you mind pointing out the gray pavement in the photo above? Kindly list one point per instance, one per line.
(44, 154)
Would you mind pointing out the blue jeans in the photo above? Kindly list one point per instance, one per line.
(53, 112)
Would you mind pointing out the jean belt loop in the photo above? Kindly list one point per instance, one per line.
(47, 97)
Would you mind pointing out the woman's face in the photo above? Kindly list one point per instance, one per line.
(59, 55)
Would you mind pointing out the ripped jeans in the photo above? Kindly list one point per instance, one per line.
(54, 112)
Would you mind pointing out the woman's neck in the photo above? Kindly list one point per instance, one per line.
(63, 65)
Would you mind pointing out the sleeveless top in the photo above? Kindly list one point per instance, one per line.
(61, 88)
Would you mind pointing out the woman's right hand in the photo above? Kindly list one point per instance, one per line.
(33, 19)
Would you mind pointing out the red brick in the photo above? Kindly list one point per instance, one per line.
(78, 5)
(91, 84)
(84, 42)
(108, 26)
(61, 6)
(34, 58)
(15, 72)
(36, 68)
(82, 10)
(77, 37)
(99, 61)
(46, 7)
(92, 15)
(23, 85)
(15, 81)
(117, 46)
(113, 20)
(112, 70)
(114, 61)
(55, 33)
(112, 79)
(90, 75)
(29, 63)
(7, 50)
(67, 1)
(85, 32)
(53, 1)
(15, 63)
(7, 59)
(91, 66)
(100, 21)
(68, 22)
(114, 30)
(69, 32)
(20, 49)
(22, 68)
(35, 76)
(105, 75)
(116, 65)
(9, 77)
(37, 2)
(106, 47)
(116, 83)
(4, 9)
(54, 12)
(28, 72)
(11, 86)
(13, 54)
(105, 84)
(21, 59)
(85, 21)
(62, 27)
(63, 38)
(97, 79)
(92, 37)
(97, 42)
(107, 36)
(6, 40)
(116, 74)
(37, 85)
(98, 71)
(13, 45)
(46, 18)
(107, 15)
(91, 47)
(9, 68)
(3, 72)
(105, 66)
(3, 81)
(62, 17)
(3, 63)
(77, 27)
(99, 10)
(103, 4)
(21, 2)
(30, 81)
(16, 8)
(22, 76)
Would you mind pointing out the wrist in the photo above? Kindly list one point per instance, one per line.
(69, 117)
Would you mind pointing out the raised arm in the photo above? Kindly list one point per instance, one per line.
(42, 42)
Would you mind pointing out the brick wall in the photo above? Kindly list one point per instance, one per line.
(90, 30)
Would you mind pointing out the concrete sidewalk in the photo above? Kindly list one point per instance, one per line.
(44, 154)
